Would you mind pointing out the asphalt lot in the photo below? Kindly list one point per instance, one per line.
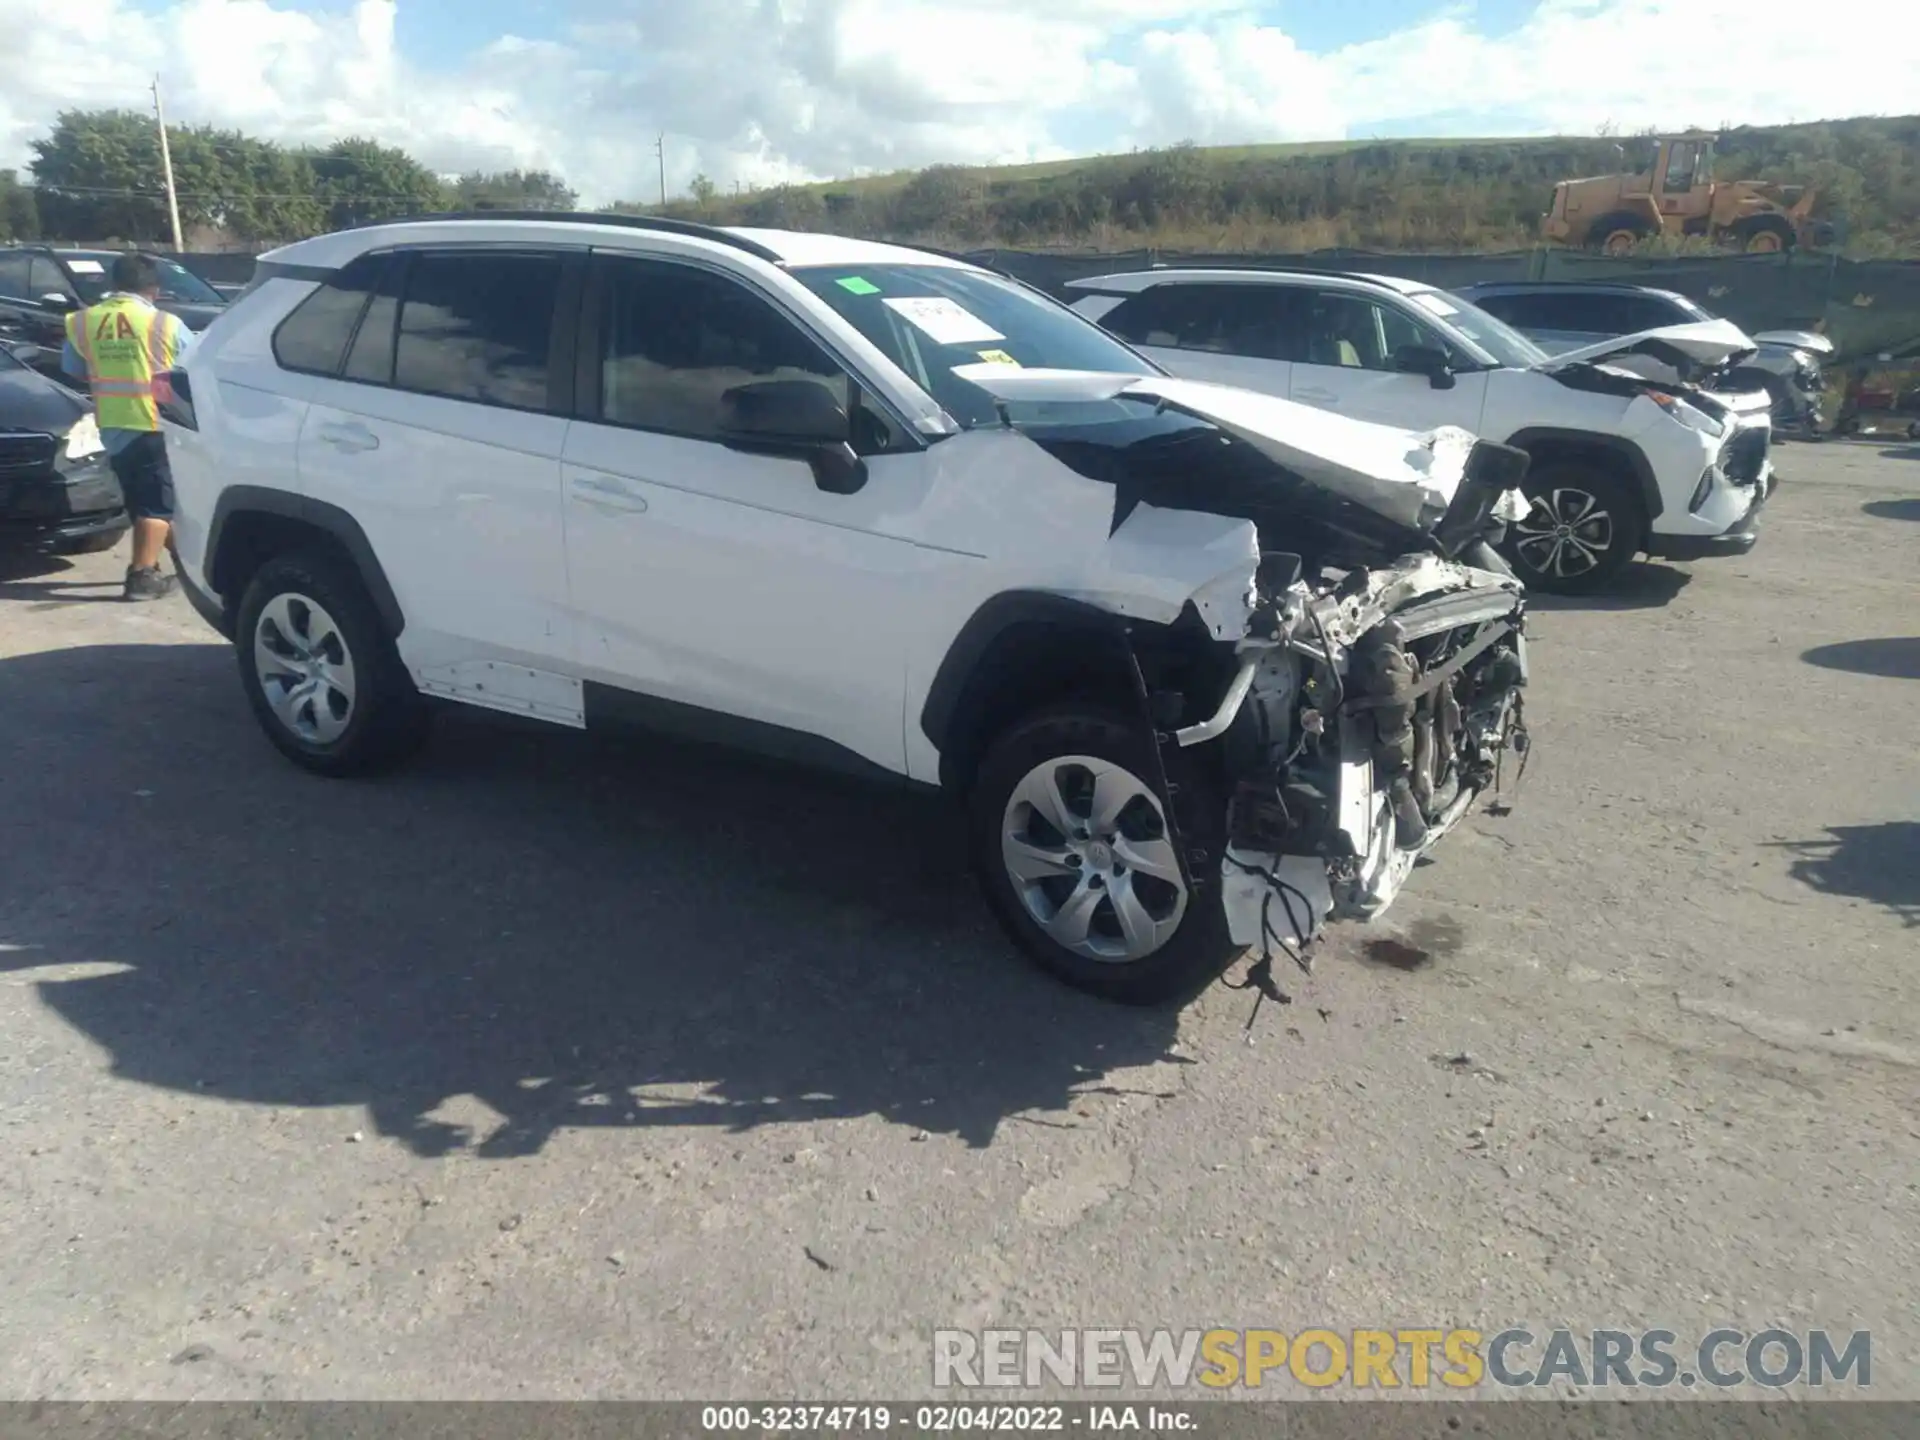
(554, 1067)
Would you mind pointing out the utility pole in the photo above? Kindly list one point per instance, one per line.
(166, 165)
(660, 149)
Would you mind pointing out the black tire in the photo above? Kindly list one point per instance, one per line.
(1566, 484)
(1764, 235)
(386, 719)
(91, 545)
(1199, 947)
(1605, 232)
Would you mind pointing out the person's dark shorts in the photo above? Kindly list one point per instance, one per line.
(146, 479)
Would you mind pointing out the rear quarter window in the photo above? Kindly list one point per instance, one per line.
(313, 338)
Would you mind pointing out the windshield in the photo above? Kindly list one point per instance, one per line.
(930, 319)
(1506, 345)
(93, 277)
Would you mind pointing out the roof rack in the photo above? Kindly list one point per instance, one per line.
(1559, 284)
(1250, 266)
(656, 223)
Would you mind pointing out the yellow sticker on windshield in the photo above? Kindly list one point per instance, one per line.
(999, 357)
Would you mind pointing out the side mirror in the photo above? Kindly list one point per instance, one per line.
(33, 356)
(799, 419)
(55, 301)
(1427, 361)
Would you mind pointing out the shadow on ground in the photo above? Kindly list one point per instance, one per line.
(1895, 658)
(23, 564)
(1638, 587)
(1878, 863)
(556, 925)
(1903, 452)
(1893, 509)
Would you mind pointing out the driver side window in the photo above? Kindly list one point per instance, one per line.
(1356, 333)
(675, 338)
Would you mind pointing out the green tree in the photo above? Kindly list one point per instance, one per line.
(361, 181)
(514, 190)
(702, 189)
(100, 177)
(19, 214)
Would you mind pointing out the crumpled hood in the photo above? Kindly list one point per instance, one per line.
(1796, 340)
(1406, 475)
(1711, 343)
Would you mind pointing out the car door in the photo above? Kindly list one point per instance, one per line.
(15, 267)
(441, 435)
(52, 298)
(1349, 363)
(1231, 333)
(710, 579)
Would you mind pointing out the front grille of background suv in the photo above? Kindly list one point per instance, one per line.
(1743, 456)
(25, 454)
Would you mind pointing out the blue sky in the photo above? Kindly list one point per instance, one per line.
(765, 91)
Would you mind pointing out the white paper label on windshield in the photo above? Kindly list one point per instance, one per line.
(1433, 302)
(86, 267)
(944, 322)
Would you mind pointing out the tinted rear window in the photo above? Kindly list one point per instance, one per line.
(479, 326)
(314, 337)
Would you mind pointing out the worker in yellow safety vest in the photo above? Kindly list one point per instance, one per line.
(125, 346)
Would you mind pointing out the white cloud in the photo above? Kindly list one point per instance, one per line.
(766, 90)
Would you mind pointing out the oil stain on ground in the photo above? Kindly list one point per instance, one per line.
(1424, 942)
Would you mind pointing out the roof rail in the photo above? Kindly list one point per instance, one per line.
(1252, 266)
(657, 223)
(1558, 285)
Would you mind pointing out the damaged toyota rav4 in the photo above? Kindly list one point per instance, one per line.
(1206, 667)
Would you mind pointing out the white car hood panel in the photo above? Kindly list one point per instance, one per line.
(1708, 342)
(1406, 475)
(1796, 340)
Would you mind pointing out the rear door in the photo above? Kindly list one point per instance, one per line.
(1229, 333)
(1350, 343)
(441, 434)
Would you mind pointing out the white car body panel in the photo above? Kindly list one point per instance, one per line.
(474, 490)
(1709, 342)
(710, 577)
(1403, 474)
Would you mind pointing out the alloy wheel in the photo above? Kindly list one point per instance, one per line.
(1566, 534)
(305, 670)
(1086, 847)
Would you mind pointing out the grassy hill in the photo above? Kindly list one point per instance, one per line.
(1442, 195)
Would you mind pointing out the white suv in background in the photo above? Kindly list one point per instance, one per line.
(1206, 667)
(1621, 463)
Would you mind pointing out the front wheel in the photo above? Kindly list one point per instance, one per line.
(321, 672)
(1584, 527)
(1071, 840)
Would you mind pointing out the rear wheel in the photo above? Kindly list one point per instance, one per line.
(1584, 527)
(1071, 840)
(321, 672)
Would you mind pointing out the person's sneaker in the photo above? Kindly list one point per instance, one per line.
(149, 584)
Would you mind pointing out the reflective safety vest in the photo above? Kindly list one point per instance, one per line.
(127, 345)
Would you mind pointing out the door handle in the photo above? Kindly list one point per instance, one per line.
(609, 493)
(351, 438)
(1316, 396)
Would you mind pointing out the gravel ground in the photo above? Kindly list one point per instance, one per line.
(554, 1067)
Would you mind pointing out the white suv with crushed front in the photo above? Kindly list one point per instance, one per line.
(1206, 666)
(1621, 463)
